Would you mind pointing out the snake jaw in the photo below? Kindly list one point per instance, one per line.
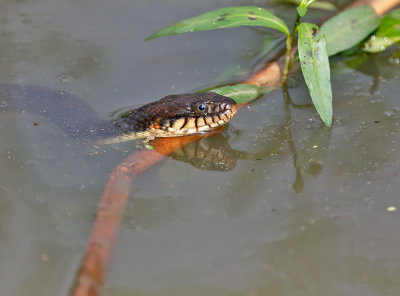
(213, 114)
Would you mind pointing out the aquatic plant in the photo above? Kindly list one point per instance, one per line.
(315, 44)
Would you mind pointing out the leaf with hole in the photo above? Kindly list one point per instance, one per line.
(228, 17)
(315, 67)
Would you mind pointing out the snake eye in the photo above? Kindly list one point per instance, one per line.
(202, 107)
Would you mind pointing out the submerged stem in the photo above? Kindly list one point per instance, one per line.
(289, 45)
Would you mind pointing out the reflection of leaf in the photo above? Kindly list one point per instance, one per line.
(375, 65)
(241, 93)
(232, 73)
(314, 150)
(228, 17)
(387, 34)
(271, 142)
(269, 44)
(315, 67)
(348, 28)
(356, 61)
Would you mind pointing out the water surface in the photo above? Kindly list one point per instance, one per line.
(302, 215)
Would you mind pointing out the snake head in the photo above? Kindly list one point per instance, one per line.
(194, 113)
(179, 115)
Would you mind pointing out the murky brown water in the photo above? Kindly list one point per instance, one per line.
(305, 216)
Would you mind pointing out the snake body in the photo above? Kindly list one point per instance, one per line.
(174, 115)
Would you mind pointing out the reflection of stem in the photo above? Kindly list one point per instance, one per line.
(299, 106)
(374, 84)
(298, 185)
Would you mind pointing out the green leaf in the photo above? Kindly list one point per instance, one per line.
(390, 24)
(228, 17)
(387, 34)
(315, 67)
(306, 3)
(241, 93)
(348, 28)
(324, 5)
(301, 11)
(377, 44)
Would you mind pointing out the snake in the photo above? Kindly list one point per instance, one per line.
(172, 116)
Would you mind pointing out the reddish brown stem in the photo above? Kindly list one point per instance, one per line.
(110, 211)
(108, 218)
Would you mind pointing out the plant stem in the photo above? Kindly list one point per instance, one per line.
(289, 44)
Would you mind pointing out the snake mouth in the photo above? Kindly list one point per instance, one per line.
(218, 115)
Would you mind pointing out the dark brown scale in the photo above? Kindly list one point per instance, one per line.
(185, 122)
